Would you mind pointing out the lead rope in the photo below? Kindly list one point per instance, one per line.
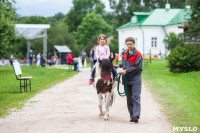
(122, 94)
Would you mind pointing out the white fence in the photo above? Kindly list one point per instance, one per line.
(6, 62)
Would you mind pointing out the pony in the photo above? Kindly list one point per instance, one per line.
(104, 82)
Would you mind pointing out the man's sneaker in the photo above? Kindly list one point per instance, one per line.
(134, 119)
(90, 81)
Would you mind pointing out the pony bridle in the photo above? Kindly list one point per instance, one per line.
(108, 77)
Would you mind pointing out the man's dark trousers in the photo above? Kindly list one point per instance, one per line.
(133, 99)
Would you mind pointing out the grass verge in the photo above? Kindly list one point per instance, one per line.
(43, 78)
(178, 93)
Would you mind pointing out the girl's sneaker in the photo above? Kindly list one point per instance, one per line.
(117, 79)
(90, 81)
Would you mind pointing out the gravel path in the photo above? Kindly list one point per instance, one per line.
(71, 107)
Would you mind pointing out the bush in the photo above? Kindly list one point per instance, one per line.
(184, 58)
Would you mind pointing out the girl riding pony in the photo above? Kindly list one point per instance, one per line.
(102, 52)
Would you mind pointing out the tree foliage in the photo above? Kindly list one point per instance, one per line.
(32, 20)
(58, 17)
(7, 29)
(152, 4)
(60, 35)
(91, 27)
(80, 9)
(19, 49)
(172, 40)
(194, 25)
(114, 45)
(123, 9)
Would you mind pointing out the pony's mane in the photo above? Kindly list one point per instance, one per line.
(106, 64)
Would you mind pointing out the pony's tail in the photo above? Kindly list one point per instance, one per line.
(112, 98)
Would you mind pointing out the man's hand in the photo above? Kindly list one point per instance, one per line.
(123, 72)
(116, 66)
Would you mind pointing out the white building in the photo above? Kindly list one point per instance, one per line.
(150, 28)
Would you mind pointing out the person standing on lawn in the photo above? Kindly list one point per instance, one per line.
(31, 57)
(83, 56)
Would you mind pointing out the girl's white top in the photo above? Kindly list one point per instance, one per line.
(103, 52)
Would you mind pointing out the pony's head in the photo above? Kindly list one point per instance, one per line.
(106, 71)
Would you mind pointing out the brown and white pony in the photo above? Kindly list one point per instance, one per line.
(104, 82)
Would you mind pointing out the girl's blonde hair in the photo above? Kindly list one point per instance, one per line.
(102, 35)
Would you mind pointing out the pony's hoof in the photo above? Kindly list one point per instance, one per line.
(106, 119)
(101, 114)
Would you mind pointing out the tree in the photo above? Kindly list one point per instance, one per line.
(7, 28)
(60, 35)
(91, 27)
(56, 18)
(109, 18)
(123, 9)
(194, 25)
(80, 9)
(32, 20)
(172, 40)
(57, 35)
(152, 4)
(19, 49)
(114, 45)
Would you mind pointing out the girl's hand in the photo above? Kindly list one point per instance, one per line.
(123, 72)
(116, 66)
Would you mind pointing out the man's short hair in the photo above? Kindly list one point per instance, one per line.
(130, 39)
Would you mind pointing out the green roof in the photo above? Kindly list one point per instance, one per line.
(158, 17)
(141, 13)
(180, 18)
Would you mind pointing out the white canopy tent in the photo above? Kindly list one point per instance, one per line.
(62, 48)
(33, 31)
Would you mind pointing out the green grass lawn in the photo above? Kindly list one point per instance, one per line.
(178, 93)
(43, 78)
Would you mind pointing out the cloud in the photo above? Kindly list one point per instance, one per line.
(46, 8)
(106, 2)
(42, 7)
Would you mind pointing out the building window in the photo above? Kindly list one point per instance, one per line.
(154, 42)
(134, 19)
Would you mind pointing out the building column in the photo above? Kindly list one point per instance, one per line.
(45, 44)
(28, 47)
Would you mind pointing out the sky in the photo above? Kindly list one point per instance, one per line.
(46, 8)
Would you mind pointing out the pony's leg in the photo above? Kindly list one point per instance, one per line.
(108, 96)
(100, 104)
